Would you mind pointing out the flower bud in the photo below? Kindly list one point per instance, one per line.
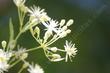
(56, 58)
(47, 35)
(37, 30)
(62, 22)
(19, 3)
(63, 34)
(54, 49)
(70, 22)
(24, 9)
(26, 64)
(4, 43)
(24, 56)
(64, 28)
(68, 31)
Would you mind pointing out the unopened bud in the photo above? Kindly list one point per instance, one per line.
(37, 30)
(68, 31)
(70, 22)
(24, 55)
(4, 43)
(64, 28)
(62, 22)
(56, 56)
(63, 34)
(26, 64)
(47, 35)
(54, 49)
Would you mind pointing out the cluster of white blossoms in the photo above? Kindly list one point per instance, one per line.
(4, 58)
(35, 69)
(37, 14)
(44, 30)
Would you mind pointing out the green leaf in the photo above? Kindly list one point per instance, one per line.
(11, 28)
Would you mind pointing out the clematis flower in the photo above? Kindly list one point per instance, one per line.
(35, 69)
(21, 53)
(56, 30)
(4, 58)
(70, 50)
(38, 15)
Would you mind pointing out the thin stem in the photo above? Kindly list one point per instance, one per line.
(8, 45)
(15, 63)
(21, 70)
(19, 15)
(12, 60)
(61, 50)
(36, 38)
(46, 54)
(18, 36)
(22, 19)
(32, 49)
(54, 37)
(50, 42)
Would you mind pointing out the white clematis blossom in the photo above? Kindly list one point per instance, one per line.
(38, 15)
(56, 30)
(4, 58)
(35, 69)
(70, 50)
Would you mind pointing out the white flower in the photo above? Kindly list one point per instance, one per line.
(21, 53)
(35, 69)
(56, 30)
(38, 15)
(70, 50)
(59, 28)
(4, 58)
(51, 25)
(3, 67)
(19, 2)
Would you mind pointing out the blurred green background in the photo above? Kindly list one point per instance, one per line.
(90, 33)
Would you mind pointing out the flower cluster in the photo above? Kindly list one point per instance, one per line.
(4, 58)
(35, 69)
(38, 22)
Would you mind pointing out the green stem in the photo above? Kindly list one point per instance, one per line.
(46, 54)
(21, 16)
(12, 60)
(32, 49)
(18, 36)
(61, 50)
(15, 63)
(51, 42)
(21, 70)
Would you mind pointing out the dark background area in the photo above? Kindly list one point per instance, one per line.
(90, 33)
